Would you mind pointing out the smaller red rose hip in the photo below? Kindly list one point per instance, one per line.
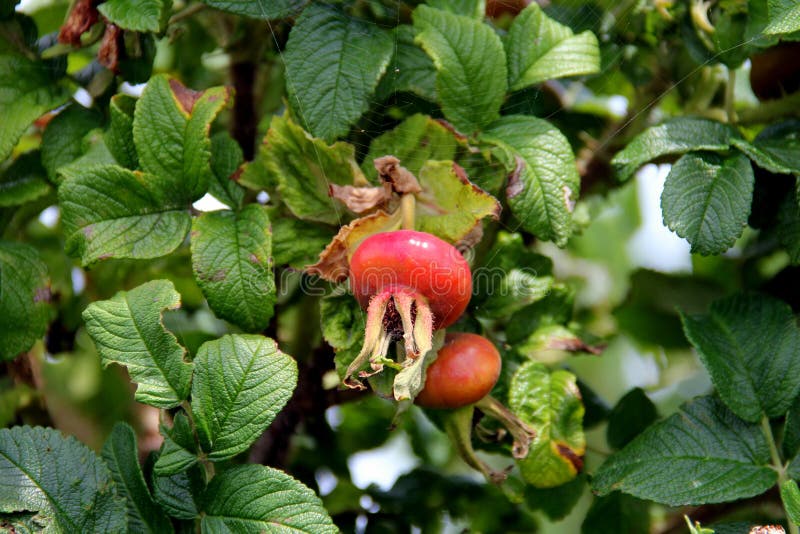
(465, 371)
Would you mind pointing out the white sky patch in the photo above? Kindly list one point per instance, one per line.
(326, 480)
(78, 280)
(262, 197)
(618, 105)
(49, 216)
(654, 246)
(384, 465)
(134, 90)
(209, 203)
(83, 97)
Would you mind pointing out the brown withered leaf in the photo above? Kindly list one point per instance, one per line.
(186, 97)
(401, 179)
(574, 344)
(334, 261)
(82, 17)
(111, 48)
(361, 199)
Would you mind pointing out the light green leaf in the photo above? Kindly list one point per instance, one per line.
(179, 450)
(119, 137)
(226, 156)
(111, 212)
(450, 206)
(270, 501)
(784, 17)
(303, 167)
(470, 65)
(178, 494)
(232, 263)
(343, 324)
(241, 383)
(137, 15)
(259, 9)
(539, 49)
(27, 91)
(414, 141)
(297, 243)
(333, 64)
(24, 298)
(676, 136)
(42, 471)
(23, 181)
(551, 403)
(62, 141)
(127, 330)
(749, 344)
(544, 184)
(706, 199)
(171, 131)
(790, 495)
(702, 454)
(410, 68)
(96, 153)
(469, 8)
(121, 456)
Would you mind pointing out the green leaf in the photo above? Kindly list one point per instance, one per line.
(178, 494)
(42, 471)
(333, 64)
(259, 9)
(62, 141)
(25, 523)
(303, 167)
(450, 206)
(171, 131)
(119, 137)
(297, 243)
(410, 68)
(615, 513)
(343, 325)
(470, 66)
(269, 501)
(96, 153)
(226, 156)
(784, 17)
(127, 330)
(630, 417)
(776, 148)
(544, 183)
(551, 403)
(791, 430)
(556, 503)
(179, 450)
(706, 199)
(539, 49)
(232, 263)
(121, 456)
(790, 495)
(749, 344)
(23, 181)
(137, 15)
(111, 212)
(414, 141)
(702, 454)
(676, 136)
(27, 91)
(469, 8)
(24, 298)
(241, 383)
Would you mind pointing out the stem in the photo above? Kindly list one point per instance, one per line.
(777, 464)
(458, 426)
(186, 12)
(730, 88)
(788, 106)
(522, 433)
(408, 205)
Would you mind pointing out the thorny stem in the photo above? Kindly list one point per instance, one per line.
(777, 463)
(730, 109)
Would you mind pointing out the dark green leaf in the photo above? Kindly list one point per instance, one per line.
(676, 136)
(178, 494)
(111, 212)
(791, 430)
(749, 344)
(127, 330)
(23, 181)
(179, 450)
(297, 243)
(137, 15)
(241, 382)
(171, 131)
(776, 148)
(410, 69)
(470, 66)
(119, 137)
(259, 9)
(630, 417)
(702, 454)
(226, 156)
(24, 298)
(784, 17)
(556, 503)
(269, 501)
(333, 64)
(121, 456)
(62, 141)
(616, 513)
(544, 183)
(232, 263)
(707, 199)
(554, 52)
(42, 471)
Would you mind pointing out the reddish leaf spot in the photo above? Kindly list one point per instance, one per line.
(568, 454)
(515, 185)
(42, 294)
(186, 97)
